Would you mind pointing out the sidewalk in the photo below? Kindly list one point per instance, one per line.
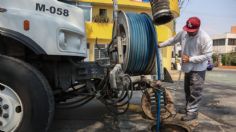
(211, 119)
(175, 74)
(227, 67)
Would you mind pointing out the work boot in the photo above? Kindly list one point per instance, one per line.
(189, 116)
(182, 111)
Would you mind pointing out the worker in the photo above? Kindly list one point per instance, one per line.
(196, 51)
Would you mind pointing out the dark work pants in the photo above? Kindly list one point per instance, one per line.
(193, 86)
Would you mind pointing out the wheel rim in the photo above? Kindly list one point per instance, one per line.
(11, 109)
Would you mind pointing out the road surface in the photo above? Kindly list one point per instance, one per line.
(218, 102)
(218, 110)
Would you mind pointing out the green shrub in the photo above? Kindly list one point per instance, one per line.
(214, 58)
(229, 59)
(233, 59)
(223, 59)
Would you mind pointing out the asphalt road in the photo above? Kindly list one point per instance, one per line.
(218, 104)
(219, 95)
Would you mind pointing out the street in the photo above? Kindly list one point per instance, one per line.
(218, 102)
(219, 97)
(218, 110)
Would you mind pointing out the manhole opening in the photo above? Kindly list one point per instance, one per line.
(171, 128)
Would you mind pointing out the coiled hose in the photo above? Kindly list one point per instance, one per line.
(142, 50)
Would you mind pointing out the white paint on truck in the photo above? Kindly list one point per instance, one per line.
(58, 28)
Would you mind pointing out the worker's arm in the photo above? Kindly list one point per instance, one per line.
(207, 53)
(172, 40)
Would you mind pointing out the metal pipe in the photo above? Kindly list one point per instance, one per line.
(115, 15)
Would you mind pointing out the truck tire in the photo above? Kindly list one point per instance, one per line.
(26, 99)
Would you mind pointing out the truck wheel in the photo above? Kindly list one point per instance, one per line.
(26, 99)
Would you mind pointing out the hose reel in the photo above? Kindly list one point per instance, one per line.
(134, 49)
(138, 40)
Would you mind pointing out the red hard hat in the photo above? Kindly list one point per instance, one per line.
(192, 24)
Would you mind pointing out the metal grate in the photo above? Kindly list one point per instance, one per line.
(100, 50)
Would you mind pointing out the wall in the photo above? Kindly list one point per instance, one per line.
(224, 48)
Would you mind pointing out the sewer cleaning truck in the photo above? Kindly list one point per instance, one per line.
(42, 51)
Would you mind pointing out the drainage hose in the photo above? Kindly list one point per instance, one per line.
(142, 53)
(161, 11)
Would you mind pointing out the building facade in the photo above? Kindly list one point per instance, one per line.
(225, 43)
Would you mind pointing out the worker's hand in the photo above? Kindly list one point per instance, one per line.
(158, 46)
(185, 58)
(155, 84)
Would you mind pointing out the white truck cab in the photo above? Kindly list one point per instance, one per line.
(40, 40)
(54, 28)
